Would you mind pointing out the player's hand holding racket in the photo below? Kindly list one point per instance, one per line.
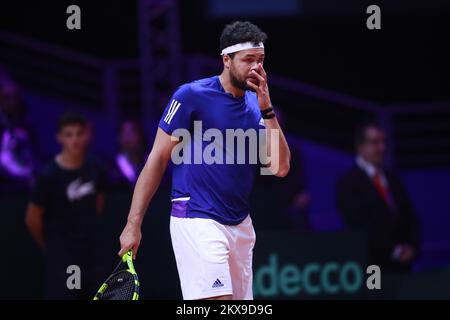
(130, 239)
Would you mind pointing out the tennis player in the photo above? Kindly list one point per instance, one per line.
(211, 229)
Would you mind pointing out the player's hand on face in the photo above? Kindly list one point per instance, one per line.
(130, 239)
(261, 89)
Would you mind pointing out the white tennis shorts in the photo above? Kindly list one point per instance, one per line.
(213, 259)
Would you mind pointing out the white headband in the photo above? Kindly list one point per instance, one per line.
(241, 46)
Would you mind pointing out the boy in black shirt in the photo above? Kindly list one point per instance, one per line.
(63, 212)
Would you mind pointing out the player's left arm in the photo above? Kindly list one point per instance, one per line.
(279, 167)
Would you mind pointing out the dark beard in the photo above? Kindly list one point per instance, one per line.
(238, 83)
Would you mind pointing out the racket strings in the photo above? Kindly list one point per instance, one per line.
(120, 287)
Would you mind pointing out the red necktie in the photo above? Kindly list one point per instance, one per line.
(380, 188)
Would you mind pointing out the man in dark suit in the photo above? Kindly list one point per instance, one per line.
(375, 200)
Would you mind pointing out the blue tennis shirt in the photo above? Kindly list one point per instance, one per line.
(219, 189)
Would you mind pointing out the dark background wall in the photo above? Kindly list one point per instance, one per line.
(324, 44)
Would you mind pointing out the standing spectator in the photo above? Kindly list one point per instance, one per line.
(16, 147)
(64, 209)
(131, 157)
(374, 199)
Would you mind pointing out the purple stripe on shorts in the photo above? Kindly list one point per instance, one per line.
(179, 209)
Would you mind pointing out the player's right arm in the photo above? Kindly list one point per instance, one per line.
(146, 186)
(35, 223)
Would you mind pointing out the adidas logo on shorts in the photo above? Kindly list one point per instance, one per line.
(217, 284)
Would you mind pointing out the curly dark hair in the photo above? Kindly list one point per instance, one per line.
(241, 31)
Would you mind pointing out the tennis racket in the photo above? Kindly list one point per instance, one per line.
(123, 283)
